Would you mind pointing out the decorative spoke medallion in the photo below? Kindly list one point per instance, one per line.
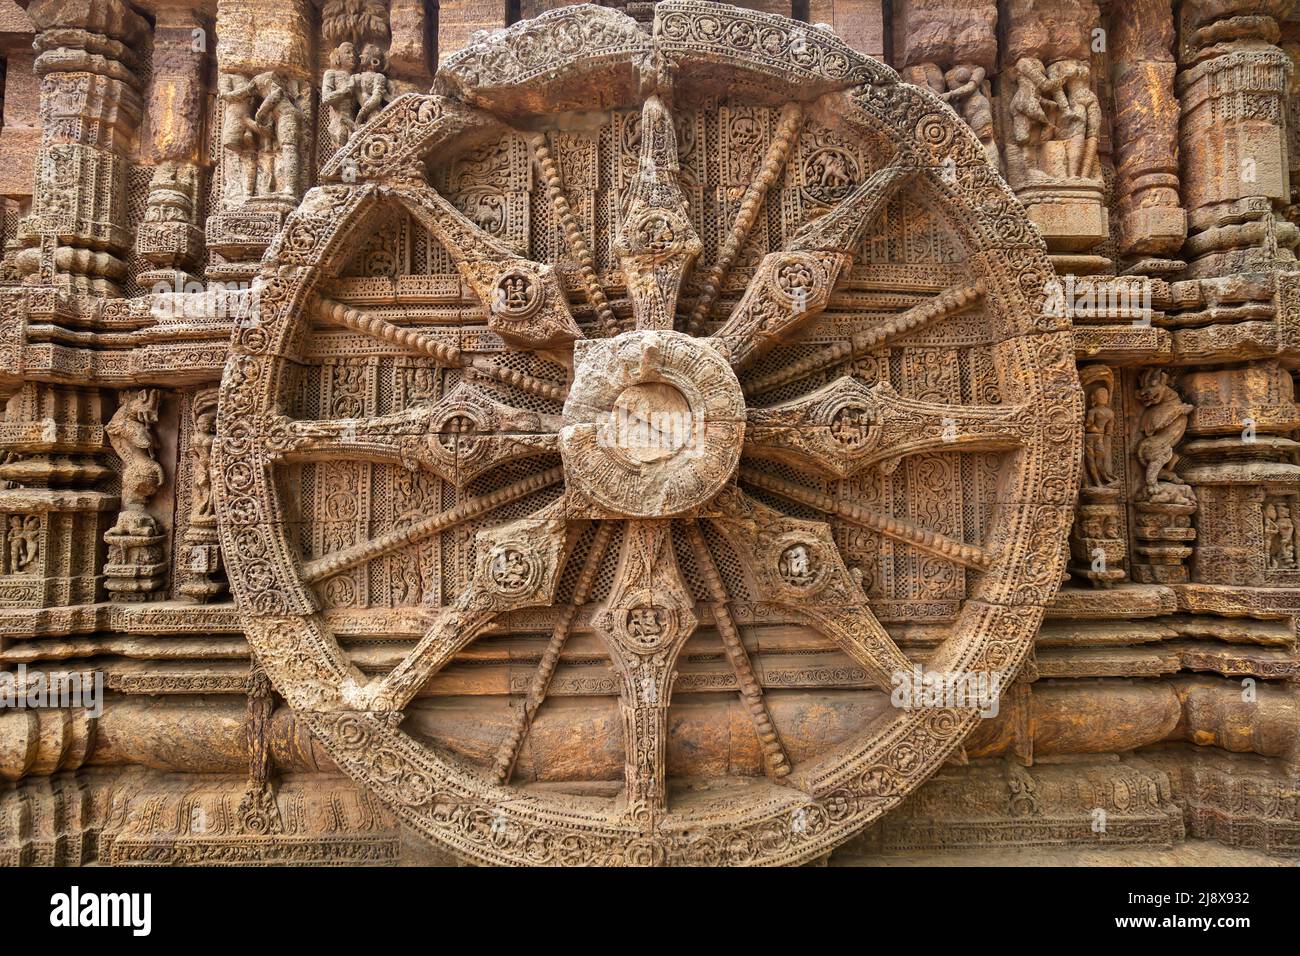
(705, 390)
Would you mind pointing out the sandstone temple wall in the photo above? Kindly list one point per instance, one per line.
(154, 160)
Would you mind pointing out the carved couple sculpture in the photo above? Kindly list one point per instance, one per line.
(1055, 122)
(263, 126)
(353, 97)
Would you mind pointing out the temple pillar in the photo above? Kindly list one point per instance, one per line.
(1152, 222)
(265, 118)
(89, 69)
(170, 238)
(1234, 83)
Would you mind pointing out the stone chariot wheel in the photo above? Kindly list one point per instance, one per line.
(677, 363)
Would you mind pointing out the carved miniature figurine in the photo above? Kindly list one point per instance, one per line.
(1162, 425)
(280, 119)
(1098, 438)
(239, 136)
(201, 441)
(338, 93)
(24, 542)
(1286, 528)
(1029, 120)
(1081, 122)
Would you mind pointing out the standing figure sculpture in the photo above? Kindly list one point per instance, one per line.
(201, 441)
(239, 136)
(1285, 537)
(1098, 438)
(372, 84)
(130, 432)
(338, 93)
(279, 117)
(137, 563)
(968, 92)
(24, 542)
(1082, 120)
(1030, 122)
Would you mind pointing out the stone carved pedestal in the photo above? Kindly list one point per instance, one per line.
(137, 563)
(1097, 547)
(1165, 534)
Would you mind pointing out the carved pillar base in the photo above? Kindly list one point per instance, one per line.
(1165, 534)
(241, 236)
(1071, 216)
(1097, 547)
(137, 562)
(170, 247)
(203, 562)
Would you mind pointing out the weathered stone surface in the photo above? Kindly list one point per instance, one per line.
(647, 433)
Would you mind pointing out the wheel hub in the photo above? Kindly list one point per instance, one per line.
(653, 425)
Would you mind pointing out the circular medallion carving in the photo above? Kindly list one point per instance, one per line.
(652, 423)
(516, 294)
(512, 569)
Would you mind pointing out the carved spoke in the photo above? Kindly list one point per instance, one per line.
(457, 438)
(794, 285)
(345, 558)
(657, 243)
(797, 565)
(448, 356)
(508, 752)
(775, 761)
(645, 622)
(778, 152)
(950, 302)
(924, 539)
(847, 426)
(524, 300)
(516, 565)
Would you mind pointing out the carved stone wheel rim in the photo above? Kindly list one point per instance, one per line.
(559, 59)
